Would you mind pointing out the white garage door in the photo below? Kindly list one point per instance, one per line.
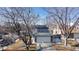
(43, 39)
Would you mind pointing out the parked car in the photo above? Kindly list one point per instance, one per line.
(5, 42)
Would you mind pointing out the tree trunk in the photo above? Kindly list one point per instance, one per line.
(64, 40)
(27, 42)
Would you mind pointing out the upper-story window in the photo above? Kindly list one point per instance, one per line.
(42, 28)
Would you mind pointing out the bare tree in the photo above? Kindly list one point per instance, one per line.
(18, 15)
(63, 18)
(11, 18)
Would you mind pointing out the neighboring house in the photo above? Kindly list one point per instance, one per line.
(75, 34)
(56, 32)
(55, 29)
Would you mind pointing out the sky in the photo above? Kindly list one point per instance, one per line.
(42, 13)
(37, 10)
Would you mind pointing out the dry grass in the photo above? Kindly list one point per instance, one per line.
(61, 47)
(72, 42)
(19, 46)
(16, 46)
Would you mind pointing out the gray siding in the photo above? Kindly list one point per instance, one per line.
(76, 35)
(43, 39)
